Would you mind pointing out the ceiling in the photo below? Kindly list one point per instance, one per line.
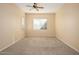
(48, 7)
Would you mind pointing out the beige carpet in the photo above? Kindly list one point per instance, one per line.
(39, 46)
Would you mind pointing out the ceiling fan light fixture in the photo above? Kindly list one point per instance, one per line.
(36, 6)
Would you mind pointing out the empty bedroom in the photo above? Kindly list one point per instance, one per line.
(39, 29)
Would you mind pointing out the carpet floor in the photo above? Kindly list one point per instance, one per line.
(39, 46)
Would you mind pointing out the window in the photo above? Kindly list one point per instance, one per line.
(40, 24)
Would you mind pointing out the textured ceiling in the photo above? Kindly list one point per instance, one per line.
(48, 7)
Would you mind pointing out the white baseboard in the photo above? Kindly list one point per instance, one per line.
(6, 46)
(68, 45)
(9, 45)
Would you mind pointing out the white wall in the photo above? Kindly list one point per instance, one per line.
(67, 25)
(10, 25)
(49, 32)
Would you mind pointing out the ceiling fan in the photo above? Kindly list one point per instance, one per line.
(35, 6)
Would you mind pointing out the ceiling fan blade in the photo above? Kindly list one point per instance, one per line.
(40, 7)
(37, 9)
(28, 6)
